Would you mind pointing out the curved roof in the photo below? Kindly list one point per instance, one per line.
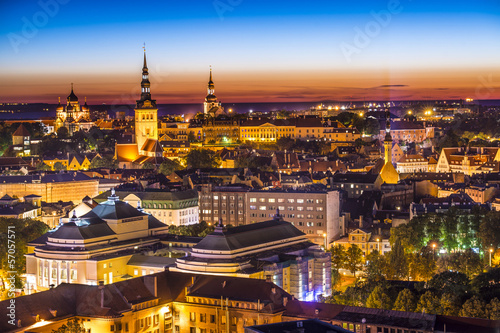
(72, 97)
(211, 98)
(113, 210)
(72, 231)
(248, 235)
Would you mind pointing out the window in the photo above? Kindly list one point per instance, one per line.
(300, 200)
(262, 207)
(192, 330)
(112, 328)
(253, 207)
(262, 199)
(253, 199)
(212, 319)
(192, 316)
(272, 200)
(291, 200)
(203, 317)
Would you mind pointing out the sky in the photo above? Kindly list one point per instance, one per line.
(260, 51)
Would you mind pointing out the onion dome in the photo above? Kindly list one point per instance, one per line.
(72, 97)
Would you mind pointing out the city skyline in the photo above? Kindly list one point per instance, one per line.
(260, 52)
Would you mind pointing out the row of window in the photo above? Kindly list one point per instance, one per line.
(272, 200)
(290, 208)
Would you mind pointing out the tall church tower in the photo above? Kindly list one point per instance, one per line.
(211, 100)
(388, 173)
(388, 142)
(146, 112)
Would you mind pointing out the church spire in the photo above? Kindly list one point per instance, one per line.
(388, 139)
(211, 86)
(145, 87)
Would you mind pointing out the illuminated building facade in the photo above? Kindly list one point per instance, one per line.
(172, 208)
(315, 213)
(273, 249)
(71, 186)
(146, 112)
(73, 116)
(94, 247)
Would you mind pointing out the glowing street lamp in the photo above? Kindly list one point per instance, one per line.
(491, 251)
(434, 250)
(378, 245)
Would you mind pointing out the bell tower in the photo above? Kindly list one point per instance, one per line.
(146, 112)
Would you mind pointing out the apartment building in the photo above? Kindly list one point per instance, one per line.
(172, 208)
(314, 212)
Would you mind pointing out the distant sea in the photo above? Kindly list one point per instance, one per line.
(37, 110)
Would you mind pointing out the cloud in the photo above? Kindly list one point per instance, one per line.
(392, 86)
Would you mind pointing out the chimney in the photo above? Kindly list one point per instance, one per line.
(101, 288)
(151, 284)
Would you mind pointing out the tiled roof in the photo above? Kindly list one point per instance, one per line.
(21, 131)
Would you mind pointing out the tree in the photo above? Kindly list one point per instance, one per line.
(379, 299)
(58, 166)
(493, 309)
(338, 256)
(422, 265)
(450, 304)
(191, 137)
(450, 282)
(26, 230)
(429, 303)
(405, 302)
(107, 161)
(410, 235)
(168, 166)
(148, 165)
(43, 167)
(376, 267)
(285, 143)
(473, 307)
(469, 263)
(62, 132)
(371, 126)
(398, 263)
(354, 259)
(73, 326)
(489, 230)
(202, 158)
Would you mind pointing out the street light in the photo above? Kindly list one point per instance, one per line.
(378, 245)
(434, 250)
(491, 251)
